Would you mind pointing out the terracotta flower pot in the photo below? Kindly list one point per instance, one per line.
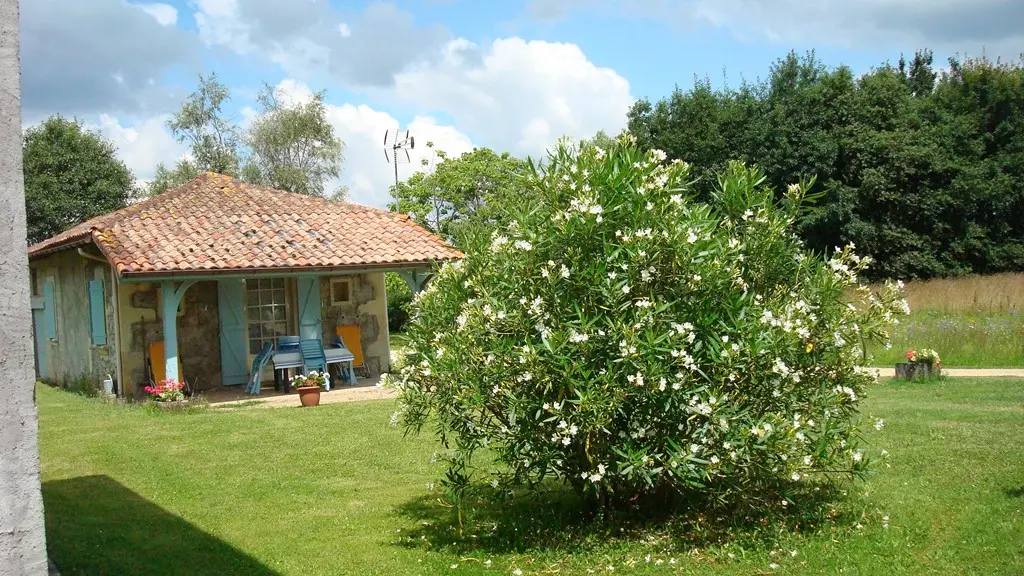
(309, 395)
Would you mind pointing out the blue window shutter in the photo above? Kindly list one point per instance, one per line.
(49, 319)
(96, 313)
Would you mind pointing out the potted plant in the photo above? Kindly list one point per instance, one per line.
(309, 385)
(923, 363)
(168, 393)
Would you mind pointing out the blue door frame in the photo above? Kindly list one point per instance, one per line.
(42, 365)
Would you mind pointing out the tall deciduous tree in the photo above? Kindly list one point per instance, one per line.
(469, 189)
(71, 175)
(164, 178)
(922, 170)
(293, 145)
(213, 138)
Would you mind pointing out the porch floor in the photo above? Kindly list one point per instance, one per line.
(365, 389)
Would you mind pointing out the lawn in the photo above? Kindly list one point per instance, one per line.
(963, 340)
(973, 322)
(336, 490)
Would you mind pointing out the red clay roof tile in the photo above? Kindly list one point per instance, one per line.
(219, 223)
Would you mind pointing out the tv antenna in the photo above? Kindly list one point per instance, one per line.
(397, 145)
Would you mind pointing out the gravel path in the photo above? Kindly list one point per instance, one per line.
(969, 372)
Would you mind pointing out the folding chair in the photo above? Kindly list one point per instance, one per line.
(313, 357)
(256, 375)
(351, 336)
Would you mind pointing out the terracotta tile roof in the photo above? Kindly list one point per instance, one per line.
(217, 223)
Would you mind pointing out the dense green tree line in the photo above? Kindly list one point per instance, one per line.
(923, 169)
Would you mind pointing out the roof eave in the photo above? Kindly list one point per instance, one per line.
(72, 242)
(142, 275)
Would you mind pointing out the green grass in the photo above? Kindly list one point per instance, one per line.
(962, 339)
(336, 490)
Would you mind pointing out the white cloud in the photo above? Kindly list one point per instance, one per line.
(164, 14)
(220, 23)
(367, 172)
(293, 92)
(307, 37)
(142, 144)
(520, 96)
(965, 26)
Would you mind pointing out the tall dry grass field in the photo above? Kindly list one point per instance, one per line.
(999, 293)
(975, 321)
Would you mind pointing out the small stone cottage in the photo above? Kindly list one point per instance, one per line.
(212, 271)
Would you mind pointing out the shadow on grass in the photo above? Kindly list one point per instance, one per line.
(1015, 492)
(558, 519)
(94, 525)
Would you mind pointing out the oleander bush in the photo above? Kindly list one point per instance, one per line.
(629, 341)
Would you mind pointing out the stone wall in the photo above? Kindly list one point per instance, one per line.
(368, 308)
(72, 356)
(198, 333)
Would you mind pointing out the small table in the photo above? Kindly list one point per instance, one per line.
(293, 359)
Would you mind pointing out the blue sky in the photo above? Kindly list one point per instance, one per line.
(508, 74)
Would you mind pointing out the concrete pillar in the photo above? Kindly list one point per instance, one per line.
(22, 538)
(171, 294)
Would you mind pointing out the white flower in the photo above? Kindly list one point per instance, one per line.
(498, 242)
(691, 236)
(517, 572)
(625, 289)
(858, 456)
(796, 476)
(565, 271)
(523, 245)
(879, 424)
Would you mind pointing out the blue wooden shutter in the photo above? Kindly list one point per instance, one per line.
(49, 319)
(309, 308)
(97, 315)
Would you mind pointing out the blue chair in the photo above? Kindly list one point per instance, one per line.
(256, 375)
(313, 357)
(285, 343)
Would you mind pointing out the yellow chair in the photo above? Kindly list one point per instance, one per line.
(157, 367)
(351, 337)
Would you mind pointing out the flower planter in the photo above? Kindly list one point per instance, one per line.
(309, 395)
(172, 405)
(917, 371)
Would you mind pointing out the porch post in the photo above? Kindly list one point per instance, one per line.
(170, 296)
(414, 278)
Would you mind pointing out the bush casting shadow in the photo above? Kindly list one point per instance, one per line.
(94, 525)
(558, 519)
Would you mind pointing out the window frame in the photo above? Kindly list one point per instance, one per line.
(270, 294)
(341, 280)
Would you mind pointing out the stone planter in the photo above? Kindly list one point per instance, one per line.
(172, 406)
(917, 371)
(309, 395)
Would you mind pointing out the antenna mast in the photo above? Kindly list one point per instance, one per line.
(396, 151)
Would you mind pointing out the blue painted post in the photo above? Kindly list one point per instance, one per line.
(169, 299)
(414, 279)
